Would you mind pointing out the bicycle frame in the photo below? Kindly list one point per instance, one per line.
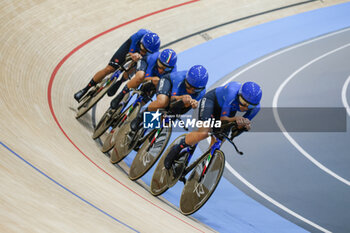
(212, 149)
(129, 110)
(215, 147)
(109, 80)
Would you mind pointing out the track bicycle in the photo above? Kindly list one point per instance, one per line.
(206, 172)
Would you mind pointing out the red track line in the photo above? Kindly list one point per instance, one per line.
(49, 97)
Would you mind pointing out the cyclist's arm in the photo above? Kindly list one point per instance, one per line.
(252, 113)
(141, 67)
(154, 79)
(135, 56)
(176, 97)
(225, 114)
(242, 122)
(185, 98)
(248, 115)
(229, 119)
(196, 98)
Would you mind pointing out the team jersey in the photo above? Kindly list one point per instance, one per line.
(135, 40)
(179, 86)
(148, 64)
(227, 97)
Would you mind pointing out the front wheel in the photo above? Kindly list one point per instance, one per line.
(149, 153)
(198, 187)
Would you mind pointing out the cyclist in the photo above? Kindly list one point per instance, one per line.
(188, 86)
(222, 103)
(137, 46)
(151, 67)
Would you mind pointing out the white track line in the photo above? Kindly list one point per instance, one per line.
(284, 131)
(268, 198)
(343, 95)
(281, 52)
(236, 174)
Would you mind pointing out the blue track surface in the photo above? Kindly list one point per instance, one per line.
(229, 209)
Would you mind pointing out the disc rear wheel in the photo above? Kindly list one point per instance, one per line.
(149, 153)
(163, 178)
(125, 140)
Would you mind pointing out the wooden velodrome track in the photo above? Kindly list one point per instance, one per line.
(53, 177)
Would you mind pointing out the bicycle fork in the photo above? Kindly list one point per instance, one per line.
(138, 100)
(154, 139)
(215, 147)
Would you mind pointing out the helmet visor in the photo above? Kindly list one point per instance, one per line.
(245, 103)
(164, 67)
(143, 48)
(192, 88)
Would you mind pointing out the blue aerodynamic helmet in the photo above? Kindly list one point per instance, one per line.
(151, 42)
(168, 58)
(251, 92)
(197, 77)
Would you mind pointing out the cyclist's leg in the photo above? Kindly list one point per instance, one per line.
(120, 55)
(99, 76)
(78, 95)
(114, 63)
(95, 80)
(118, 58)
(200, 134)
(136, 80)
